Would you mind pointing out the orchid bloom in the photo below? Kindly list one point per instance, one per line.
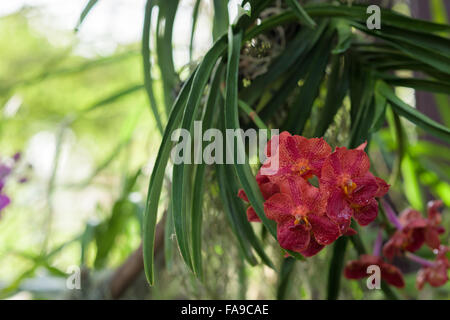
(435, 273)
(357, 269)
(299, 210)
(298, 156)
(267, 189)
(352, 188)
(413, 230)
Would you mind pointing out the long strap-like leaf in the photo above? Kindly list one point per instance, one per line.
(197, 197)
(147, 66)
(156, 180)
(412, 114)
(180, 177)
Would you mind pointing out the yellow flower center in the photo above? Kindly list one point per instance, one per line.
(301, 217)
(301, 167)
(349, 186)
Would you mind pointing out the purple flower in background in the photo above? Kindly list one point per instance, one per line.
(4, 171)
(4, 201)
(17, 156)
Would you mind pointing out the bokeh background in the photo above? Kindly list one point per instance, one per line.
(72, 103)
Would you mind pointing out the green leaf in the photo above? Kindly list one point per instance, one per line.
(115, 96)
(389, 17)
(180, 177)
(284, 276)
(412, 114)
(413, 50)
(84, 13)
(168, 241)
(301, 108)
(411, 184)
(243, 171)
(336, 267)
(221, 20)
(300, 13)
(164, 29)
(107, 232)
(336, 90)
(417, 84)
(147, 67)
(345, 36)
(232, 213)
(293, 53)
(194, 25)
(240, 216)
(86, 238)
(156, 181)
(299, 70)
(199, 177)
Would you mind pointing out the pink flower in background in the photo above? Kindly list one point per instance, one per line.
(413, 230)
(435, 273)
(357, 269)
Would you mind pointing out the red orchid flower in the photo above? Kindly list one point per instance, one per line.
(414, 230)
(435, 273)
(433, 228)
(297, 156)
(299, 210)
(357, 269)
(352, 188)
(267, 189)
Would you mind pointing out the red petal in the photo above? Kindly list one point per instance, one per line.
(362, 146)
(409, 215)
(292, 237)
(366, 214)
(421, 278)
(331, 169)
(433, 211)
(350, 232)
(432, 237)
(241, 194)
(325, 231)
(357, 269)
(268, 189)
(383, 187)
(438, 275)
(278, 207)
(252, 216)
(339, 211)
(304, 195)
(366, 188)
(313, 248)
(392, 275)
(316, 150)
(390, 249)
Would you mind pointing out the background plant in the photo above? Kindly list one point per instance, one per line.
(313, 70)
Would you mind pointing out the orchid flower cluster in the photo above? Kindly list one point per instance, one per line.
(412, 232)
(7, 167)
(311, 217)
